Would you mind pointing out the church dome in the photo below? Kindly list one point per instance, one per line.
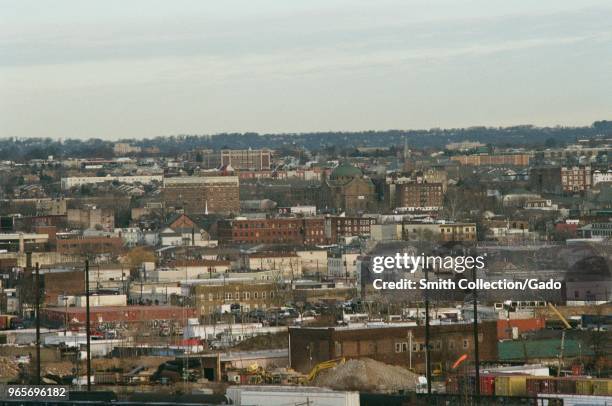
(345, 170)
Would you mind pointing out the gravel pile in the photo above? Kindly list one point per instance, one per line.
(366, 374)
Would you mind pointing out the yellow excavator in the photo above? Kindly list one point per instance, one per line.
(322, 366)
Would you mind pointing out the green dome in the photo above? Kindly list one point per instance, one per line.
(345, 170)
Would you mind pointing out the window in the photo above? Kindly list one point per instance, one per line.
(451, 344)
(401, 347)
(466, 343)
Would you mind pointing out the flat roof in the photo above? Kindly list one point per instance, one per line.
(111, 309)
(243, 355)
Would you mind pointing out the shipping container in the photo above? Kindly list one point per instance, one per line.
(487, 385)
(541, 384)
(512, 385)
(566, 386)
(602, 387)
(584, 386)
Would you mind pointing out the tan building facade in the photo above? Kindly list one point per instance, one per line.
(201, 194)
(210, 298)
(252, 159)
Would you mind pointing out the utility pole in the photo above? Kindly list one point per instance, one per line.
(427, 352)
(476, 352)
(37, 307)
(87, 325)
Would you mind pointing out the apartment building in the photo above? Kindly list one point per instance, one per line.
(420, 196)
(487, 159)
(337, 227)
(211, 296)
(272, 231)
(576, 178)
(203, 194)
(251, 159)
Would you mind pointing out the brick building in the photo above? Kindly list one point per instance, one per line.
(337, 227)
(144, 318)
(420, 196)
(347, 190)
(272, 231)
(89, 245)
(70, 283)
(201, 194)
(576, 178)
(392, 344)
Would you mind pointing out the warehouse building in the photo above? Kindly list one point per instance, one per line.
(396, 344)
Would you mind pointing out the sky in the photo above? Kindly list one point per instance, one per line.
(144, 68)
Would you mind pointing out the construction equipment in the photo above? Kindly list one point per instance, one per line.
(567, 327)
(560, 316)
(322, 366)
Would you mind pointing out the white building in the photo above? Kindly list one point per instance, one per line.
(341, 266)
(131, 236)
(602, 176)
(69, 183)
(290, 395)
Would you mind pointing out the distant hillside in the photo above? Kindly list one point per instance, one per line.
(530, 136)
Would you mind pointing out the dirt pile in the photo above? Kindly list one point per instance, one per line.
(366, 374)
(8, 369)
(60, 368)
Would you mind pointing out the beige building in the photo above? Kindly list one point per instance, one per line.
(439, 232)
(123, 148)
(247, 159)
(211, 298)
(313, 261)
(203, 194)
(285, 264)
(51, 207)
(91, 217)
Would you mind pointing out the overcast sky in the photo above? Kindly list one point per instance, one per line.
(143, 68)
